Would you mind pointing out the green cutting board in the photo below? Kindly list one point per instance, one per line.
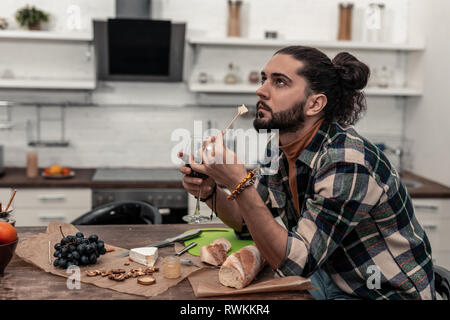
(205, 239)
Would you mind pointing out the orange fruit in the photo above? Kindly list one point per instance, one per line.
(8, 233)
(55, 169)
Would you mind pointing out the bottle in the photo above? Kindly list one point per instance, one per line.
(345, 21)
(32, 165)
(234, 18)
(231, 76)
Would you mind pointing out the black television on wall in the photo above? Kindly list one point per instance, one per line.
(139, 50)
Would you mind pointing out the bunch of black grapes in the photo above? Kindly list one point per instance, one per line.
(78, 251)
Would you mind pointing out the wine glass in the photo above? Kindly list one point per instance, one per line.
(196, 218)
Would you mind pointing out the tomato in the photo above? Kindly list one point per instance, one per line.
(8, 233)
(65, 171)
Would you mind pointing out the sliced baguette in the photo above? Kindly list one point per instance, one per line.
(241, 267)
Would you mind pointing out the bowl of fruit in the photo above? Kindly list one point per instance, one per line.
(57, 172)
(8, 244)
(76, 250)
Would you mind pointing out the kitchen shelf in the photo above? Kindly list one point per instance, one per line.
(47, 84)
(249, 88)
(248, 42)
(46, 35)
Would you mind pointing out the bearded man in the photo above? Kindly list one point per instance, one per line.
(336, 210)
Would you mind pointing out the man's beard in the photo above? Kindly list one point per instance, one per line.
(285, 121)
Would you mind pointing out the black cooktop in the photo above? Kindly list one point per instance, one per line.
(137, 174)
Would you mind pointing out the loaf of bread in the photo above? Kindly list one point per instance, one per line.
(241, 267)
(215, 253)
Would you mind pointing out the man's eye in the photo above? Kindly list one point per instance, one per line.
(280, 81)
(263, 80)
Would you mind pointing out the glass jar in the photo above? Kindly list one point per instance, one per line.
(32, 165)
(231, 77)
(171, 267)
(374, 23)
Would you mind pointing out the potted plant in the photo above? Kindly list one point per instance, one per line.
(31, 17)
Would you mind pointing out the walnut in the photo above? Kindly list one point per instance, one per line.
(91, 273)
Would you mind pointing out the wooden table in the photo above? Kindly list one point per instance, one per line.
(22, 280)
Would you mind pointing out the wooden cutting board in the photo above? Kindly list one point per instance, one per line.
(205, 238)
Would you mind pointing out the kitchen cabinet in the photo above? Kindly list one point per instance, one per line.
(65, 60)
(434, 216)
(39, 206)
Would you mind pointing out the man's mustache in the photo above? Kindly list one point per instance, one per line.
(263, 105)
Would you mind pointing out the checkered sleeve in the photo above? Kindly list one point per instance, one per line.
(261, 187)
(344, 193)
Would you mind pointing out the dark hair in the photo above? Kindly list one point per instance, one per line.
(340, 80)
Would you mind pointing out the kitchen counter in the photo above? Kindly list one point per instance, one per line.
(25, 281)
(427, 189)
(16, 178)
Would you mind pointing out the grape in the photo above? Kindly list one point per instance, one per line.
(93, 258)
(62, 263)
(64, 252)
(76, 255)
(83, 248)
(89, 248)
(84, 260)
(74, 250)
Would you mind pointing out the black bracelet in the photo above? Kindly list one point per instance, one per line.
(210, 195)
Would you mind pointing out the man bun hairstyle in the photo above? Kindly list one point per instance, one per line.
(341, 80)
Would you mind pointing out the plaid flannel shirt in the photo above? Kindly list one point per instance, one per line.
(355, 214)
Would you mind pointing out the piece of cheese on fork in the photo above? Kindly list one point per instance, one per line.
(146, 255)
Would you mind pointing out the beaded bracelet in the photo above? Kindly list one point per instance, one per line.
(246, 182)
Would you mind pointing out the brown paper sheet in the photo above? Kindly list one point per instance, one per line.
(205, 282)
(35, 250)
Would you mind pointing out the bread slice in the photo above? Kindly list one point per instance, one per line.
(241, 267)
(216, 253)
(224, 242)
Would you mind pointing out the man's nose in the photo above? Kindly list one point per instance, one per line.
(262, 92)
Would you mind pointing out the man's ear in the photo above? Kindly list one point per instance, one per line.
(315, 104)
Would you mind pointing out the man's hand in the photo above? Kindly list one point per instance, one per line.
(221, 164)
(192, 185)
